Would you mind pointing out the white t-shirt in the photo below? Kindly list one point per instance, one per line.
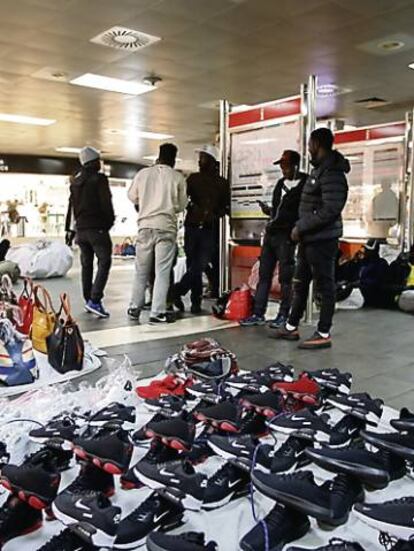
(289, 184)
(160, 193)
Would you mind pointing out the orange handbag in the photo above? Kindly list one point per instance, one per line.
(44, 319)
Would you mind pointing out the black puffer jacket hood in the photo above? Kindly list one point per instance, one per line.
(323, 199)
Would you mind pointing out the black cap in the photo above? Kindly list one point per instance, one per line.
(290, 156)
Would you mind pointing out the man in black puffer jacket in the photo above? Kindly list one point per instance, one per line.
(318, 229)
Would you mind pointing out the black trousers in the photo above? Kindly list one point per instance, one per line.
(94, 243)
(315, 261)
(276, 248)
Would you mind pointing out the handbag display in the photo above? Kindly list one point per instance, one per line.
(26, 304)
(44, 319)
(65, 346)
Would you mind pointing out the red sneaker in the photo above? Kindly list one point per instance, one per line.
(305, 390)
(162, 387)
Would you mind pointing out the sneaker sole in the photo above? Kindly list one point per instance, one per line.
(255, 324)
(309, 346)
(171, 442)
(291, 338)
(265, 411)
(99, 314)
(235, 494)
(34, 500)
(224, 425)
(105, 464)
(400, 532)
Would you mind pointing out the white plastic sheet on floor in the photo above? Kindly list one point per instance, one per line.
(226, 525)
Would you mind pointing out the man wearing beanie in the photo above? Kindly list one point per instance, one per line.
(90, 204)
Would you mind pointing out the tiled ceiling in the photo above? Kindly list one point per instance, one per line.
(244, 50)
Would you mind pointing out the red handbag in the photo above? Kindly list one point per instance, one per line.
(26, 304)
(239, 305)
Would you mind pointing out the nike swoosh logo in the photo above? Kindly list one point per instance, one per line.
(231, 484)
(295, 418)
(159, 517)
(80, 505)
(164, 472)
(236, 445)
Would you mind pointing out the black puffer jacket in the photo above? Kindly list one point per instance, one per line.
(323, 199)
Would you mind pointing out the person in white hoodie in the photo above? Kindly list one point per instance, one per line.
(159, 194)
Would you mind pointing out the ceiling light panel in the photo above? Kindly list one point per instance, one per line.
(64, 149)
(109, 84)
(142, 134)
(25, 119)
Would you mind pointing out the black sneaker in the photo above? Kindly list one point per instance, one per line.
(114, 414)
(162, 319)
(134, 314)
(140, 435)
(269, 404)
(92, 479)
(155, 513)
(349, 427)
(227, 484)
(67, 541)
(395, 442)
(180, 478)
(290, 456)
(51, 458)
(360, 405)
(329, 503)
(283, 526)
(92, 517)
(395, 517)
(335, 544)
(168, 405)
(212, 370)
(109, 450)
(277, 372)
(17, 519)
(224, 416)
(405, 422)
(175, 433)
(200, 450)
(58, 433)
(190, 541)
(32, 482)
(240, 451)
(209, 391)
(332, 379)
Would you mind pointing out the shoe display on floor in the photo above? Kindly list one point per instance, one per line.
(279, 321)
(153, 514)
(269, 404)
(114, 413)
(224, 416)
(58, 433)
(18, 519)
(92, 517)
(175, 433)
(335, 544)
(316, 342)
(240, 450)
(162, 319)
(360, 405)
(289, 456)
(170, 384)
(31, 482)
(330, 503)
(110, 451)
(253, 320)
(405, 422)
(67, 541)
(209, 391)
(200, 450)
(332, 379)
(283, 525)
(262, 378)
(139, 436)
(92, 479)
(227, 484)
(97, 308)
(282, 333)
(213, 370)
(134, 314)
(305, 390)
(168, 405)
(395, 517)
(395, 442)
(190, 541)
(183, 482)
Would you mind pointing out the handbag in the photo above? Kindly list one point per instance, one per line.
(9, 307)
(26, 304)
(65, 346)
(44, 318)
(239, 305)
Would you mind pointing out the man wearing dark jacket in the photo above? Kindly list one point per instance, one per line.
(209, 200)
(90, 204)
(277, 245)
(318, 229)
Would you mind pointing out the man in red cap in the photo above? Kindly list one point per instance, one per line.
(277, 245)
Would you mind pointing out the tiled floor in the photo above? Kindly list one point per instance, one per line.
(376, 346)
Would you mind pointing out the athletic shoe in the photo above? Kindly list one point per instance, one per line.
(282, 333)
(213, 369)
(162, 387)
(240, 450)
(67, 541)
(53, 459)
(307, 425)
(209, 391)
(316, 342)
(182, 481)
(268, 404)
(279, 321)
(134, 314)
(200, 450)
(360, 405)
(58, 433)
(190, 541)
(332, 379)
(162, 319)
(227, 484)
(92, 479)
(329, 503)
(252, 321)
(224, 416)
(18, 519)
(395, 517)
(290, 456)
(175, 433)
(395, 442)
(155, 513)
(335, 544)
(264, 377)
(349, 427)
(405, 422)
(168, 405)
(97, 308)
(110, 451)
(92, 517)
(32, 483)
(283, 524)
(305, 390)
(140, 436)
(114, 414)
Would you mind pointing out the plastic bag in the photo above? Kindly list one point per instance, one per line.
(42, 259)
(239, 305)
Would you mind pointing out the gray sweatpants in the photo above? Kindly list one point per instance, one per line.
(154, 247)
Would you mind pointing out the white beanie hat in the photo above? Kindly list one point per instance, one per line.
(209, 149)
(88, 154)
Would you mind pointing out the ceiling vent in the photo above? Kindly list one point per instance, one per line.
(388, 45)
(372, 103)
(122, 38)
